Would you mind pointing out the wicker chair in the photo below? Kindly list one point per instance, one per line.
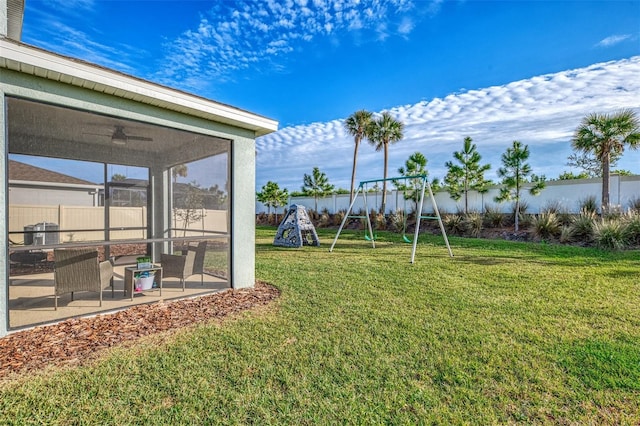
(80, 270)
(183, 266)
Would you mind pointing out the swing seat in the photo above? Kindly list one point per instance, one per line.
(368, 238)
(406, 239)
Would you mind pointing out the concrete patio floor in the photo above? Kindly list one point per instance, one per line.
(31, 300)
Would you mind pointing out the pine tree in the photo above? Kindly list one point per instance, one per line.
(514, 174)
(316, 185)
(466, 176)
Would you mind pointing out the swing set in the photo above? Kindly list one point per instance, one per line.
(370, 235)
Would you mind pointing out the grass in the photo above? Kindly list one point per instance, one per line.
(504, 332)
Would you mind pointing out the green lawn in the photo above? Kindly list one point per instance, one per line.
(502, 333)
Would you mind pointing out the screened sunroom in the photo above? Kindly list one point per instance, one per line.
(104, 169)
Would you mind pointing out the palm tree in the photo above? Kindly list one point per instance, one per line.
(604, 135)
(179, 170)
(356, 125)
(381, 132)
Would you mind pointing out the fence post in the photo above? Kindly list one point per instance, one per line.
(61, 224)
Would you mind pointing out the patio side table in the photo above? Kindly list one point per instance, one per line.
(131, 271)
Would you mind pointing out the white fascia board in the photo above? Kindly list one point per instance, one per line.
(24, 58)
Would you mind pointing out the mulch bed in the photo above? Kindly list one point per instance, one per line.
(77, 339)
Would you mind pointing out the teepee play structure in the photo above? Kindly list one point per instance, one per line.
(296, 229)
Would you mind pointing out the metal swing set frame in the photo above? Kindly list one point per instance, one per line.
(419, 217)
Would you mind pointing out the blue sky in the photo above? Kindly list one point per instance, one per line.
(495, 71)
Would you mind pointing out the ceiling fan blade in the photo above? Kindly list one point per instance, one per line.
(96, 134)
(139, 138)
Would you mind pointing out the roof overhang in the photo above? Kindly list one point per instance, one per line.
(58, 185)
(38, 62)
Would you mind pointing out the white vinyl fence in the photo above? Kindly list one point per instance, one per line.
(567, 194)
(75, 219)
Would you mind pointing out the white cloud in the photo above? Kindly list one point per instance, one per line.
(265, 30)
(57, 36)
(47, 28)
(406, 26)
(613, 40)
(542, 112)
(80, 6)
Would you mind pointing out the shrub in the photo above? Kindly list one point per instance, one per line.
(552, 207)
(262, 218)
(524, 206)
(380, 222)
(454, 224)
(338, 217)
(324, 220)
(566, 234)
(632, 229)
(493, 217)
(525, 220)
(473, 224)
(610, 235)
(564, 218)
(589, 204)
(562, 213)
(545, 225)
(396, 220)
(612, 212)
(634, 205)
(582, 226)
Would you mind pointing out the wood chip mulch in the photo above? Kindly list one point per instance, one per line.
(77, 339)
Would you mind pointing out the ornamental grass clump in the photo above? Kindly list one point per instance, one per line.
(324, 220)
(582, 226)
(562, 213)
(338, 217)
(473, 224)
(454, 224)
(545, 225)
(612, 212)
(610, 235)
(632, 229)
(493, 217)
(566, 234)
(634, 205)
(396, 220)
(589, 204)
(380, 221)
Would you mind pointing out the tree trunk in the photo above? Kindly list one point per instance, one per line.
(466, 195)
(518, 179)
(353, 171)
(605, 182)
(383, 205)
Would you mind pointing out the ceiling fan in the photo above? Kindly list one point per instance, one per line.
(119, 137)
